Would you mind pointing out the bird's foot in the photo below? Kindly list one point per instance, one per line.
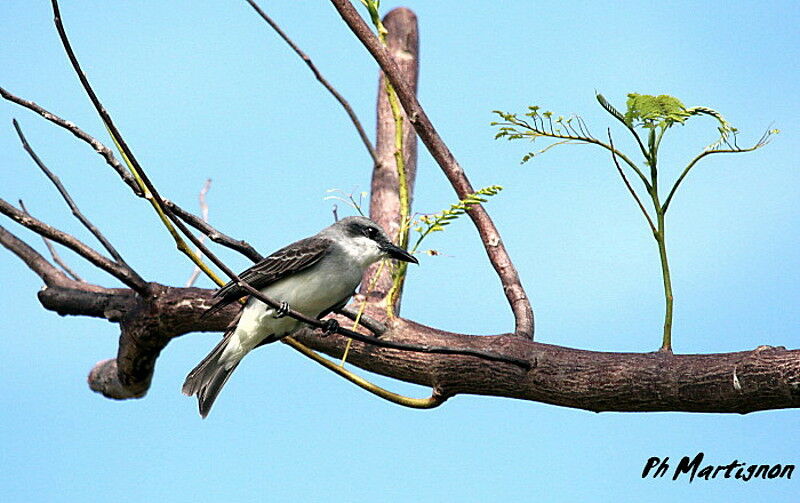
(282, 310)
(329, 327)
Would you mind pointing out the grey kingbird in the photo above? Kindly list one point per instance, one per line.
(315, 276)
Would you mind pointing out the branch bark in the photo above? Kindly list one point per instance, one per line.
(742, 382)
(384, 205)
(761, 379)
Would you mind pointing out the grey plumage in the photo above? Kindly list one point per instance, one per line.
(315, 276)
(288, 260)
(208, 377)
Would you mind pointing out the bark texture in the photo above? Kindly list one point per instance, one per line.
(384, 208)
(760, 379)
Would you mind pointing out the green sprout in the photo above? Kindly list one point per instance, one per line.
(425, 225)
(652, 116)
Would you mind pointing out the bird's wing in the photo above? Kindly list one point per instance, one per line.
(284, 262)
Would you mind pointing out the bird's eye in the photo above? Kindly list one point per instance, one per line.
(371, 232)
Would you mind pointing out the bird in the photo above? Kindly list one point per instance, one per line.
(314, 276)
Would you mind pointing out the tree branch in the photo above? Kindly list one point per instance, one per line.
(72, 206)
(761, 379)
(53, 253)
(628, 184)
(742, 382)
(98, 147)
(495, 249)
(201, 197)
(213, 234)
(120, 272)
(384, 207)
(35, 262)
(322, 80)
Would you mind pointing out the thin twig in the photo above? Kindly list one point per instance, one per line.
(537, 130)
(694, 161)
(151, 194)
(213, 234)
(327, 85)
(53, 253)
(375, 326)
(490, 237)
(204, 213)
(628, 184)
(68, 199)
(120, 272)
(617, 115)
(101, 149)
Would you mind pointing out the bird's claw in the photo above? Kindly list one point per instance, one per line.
(329, 327)
(282, 310)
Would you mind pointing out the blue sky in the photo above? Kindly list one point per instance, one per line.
(205, 89)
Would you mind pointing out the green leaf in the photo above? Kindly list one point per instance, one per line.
(655, 111)
(438, 221)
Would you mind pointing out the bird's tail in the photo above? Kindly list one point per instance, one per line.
(209, 376)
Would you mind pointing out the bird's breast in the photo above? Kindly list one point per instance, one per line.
(314, 290)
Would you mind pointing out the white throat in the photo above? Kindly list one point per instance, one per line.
(362, 250)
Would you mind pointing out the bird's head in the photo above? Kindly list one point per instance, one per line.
(370, 242)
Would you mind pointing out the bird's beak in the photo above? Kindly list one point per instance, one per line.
(398, 253)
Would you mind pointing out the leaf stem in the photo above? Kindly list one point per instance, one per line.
(629, 186)
(666, 342)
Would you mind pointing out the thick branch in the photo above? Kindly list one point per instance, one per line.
(82, 299)
(145, 330)
(495, 249)
(765, 378)
(384, 206)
